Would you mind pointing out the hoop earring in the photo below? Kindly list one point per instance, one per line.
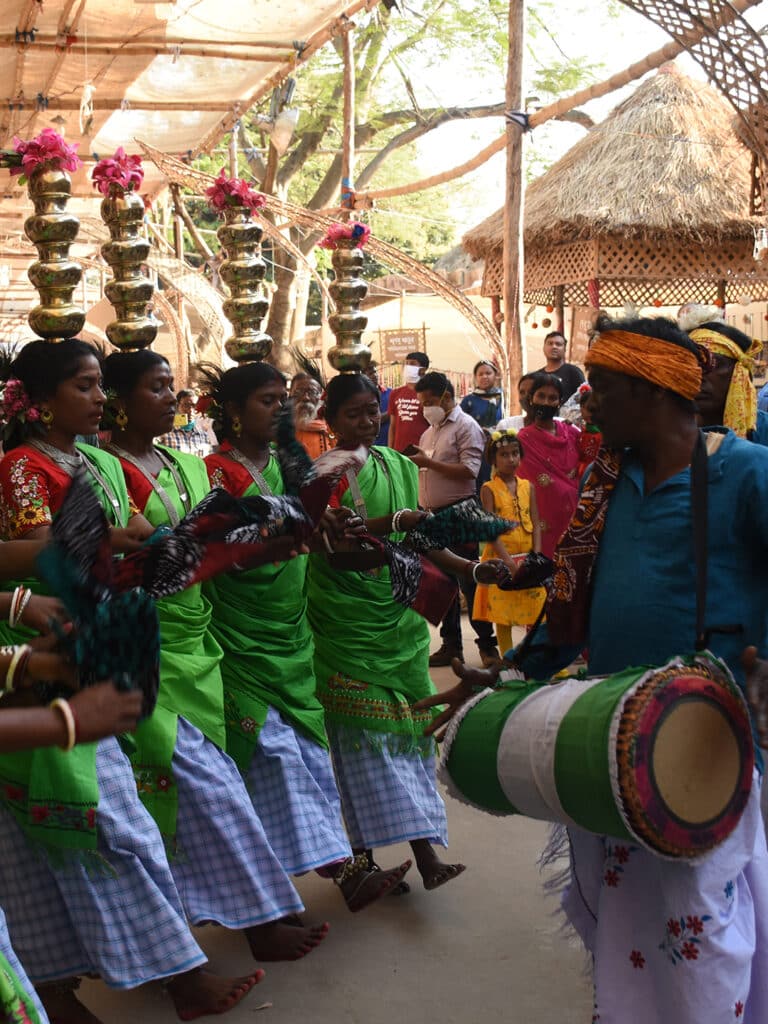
(46, 418)
(237, 426)
(121, 419)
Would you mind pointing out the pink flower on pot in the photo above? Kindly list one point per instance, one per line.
(121, 169)
(46, 149)
(227, 192)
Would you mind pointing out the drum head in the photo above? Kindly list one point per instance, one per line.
(685, 759)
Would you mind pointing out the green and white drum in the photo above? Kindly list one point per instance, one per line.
(660, 756)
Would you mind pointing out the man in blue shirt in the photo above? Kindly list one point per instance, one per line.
(633, 600)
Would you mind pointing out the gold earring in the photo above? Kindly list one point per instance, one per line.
(121, 419)
(46, 418)
(237, 426)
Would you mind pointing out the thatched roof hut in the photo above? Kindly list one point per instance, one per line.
(653, 204)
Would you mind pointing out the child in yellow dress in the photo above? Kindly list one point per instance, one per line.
(511, 498)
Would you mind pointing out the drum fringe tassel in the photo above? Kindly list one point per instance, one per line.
(555, 861)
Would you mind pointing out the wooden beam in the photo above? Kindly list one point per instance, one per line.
(48, 39)
(115, 103)
(513, 206)
(164, 50)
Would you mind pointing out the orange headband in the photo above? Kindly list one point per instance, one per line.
(663, 363)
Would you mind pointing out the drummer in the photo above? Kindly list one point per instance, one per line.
(671, 942)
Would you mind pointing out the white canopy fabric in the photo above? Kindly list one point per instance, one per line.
(174, 73)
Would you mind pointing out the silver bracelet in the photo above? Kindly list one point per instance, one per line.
(475, 567)
(397, 518)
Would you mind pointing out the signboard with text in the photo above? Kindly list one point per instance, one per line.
(395, 345)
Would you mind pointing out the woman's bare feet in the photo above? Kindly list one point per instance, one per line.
(362, 882)
(62, 1005)
(279, 940)
(433, 871)
(201, 993)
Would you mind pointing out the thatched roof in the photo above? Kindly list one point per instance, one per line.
(667, 162)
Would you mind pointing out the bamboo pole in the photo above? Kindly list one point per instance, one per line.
(513, 207)
(561, 106)
(115, 103)
(128, 49)
(348, 127)
(180, 208)
(48, 39)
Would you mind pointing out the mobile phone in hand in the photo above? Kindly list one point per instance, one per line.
(412, 449)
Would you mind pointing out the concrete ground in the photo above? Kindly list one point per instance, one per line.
(485, 948)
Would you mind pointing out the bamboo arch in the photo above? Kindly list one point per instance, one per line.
(177, 171)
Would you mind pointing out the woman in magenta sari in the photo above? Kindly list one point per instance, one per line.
(551, 460)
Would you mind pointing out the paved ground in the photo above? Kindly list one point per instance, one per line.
(484, 949)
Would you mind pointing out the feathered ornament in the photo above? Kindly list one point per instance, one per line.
(693, 314)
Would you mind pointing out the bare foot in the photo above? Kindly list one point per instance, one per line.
(62, 1005)
(438, 873)
(280, 941)
(199, 993)
(368, 884)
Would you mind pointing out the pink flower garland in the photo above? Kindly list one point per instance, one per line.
(122, 170)
(46, 149)
(15, 405)
(359, 232)
(226, 192)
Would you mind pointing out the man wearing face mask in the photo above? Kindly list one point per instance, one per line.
(406, 422)
(448, 455)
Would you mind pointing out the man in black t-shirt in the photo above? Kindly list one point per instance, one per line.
(570, 375)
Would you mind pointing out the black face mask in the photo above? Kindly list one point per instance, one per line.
(543, 412)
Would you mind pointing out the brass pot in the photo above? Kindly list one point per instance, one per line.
(130, 289)
(52, 230)
(243, 272)
(348, 290)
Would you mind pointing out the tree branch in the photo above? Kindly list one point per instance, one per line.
(418, 130)
(255, 163)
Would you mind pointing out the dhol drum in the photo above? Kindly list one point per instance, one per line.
(660, 756)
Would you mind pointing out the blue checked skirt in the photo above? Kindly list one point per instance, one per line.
(225, 869)
(387, 798)
(125, 923)
(8, 952)
(290, 780)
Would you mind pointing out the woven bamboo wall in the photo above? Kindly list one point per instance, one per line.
(634, 270)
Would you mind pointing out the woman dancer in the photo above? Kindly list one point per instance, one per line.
(98, 712)
(551, 460)
(275, 724)
(104, 902)
(225, 870)
(371, 656)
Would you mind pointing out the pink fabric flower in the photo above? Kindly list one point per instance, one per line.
(690, 951)
(226, 192)
(46, 149)
(122, 170)
(360, 232)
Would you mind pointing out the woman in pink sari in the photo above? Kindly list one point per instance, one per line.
(551, 460)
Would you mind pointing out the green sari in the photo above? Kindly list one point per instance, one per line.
(54, 795)
(371, 653)
(190, 675)
(16, 1004)
(259, 618)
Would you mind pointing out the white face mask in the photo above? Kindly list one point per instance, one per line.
(434, 415)
(411, 374)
